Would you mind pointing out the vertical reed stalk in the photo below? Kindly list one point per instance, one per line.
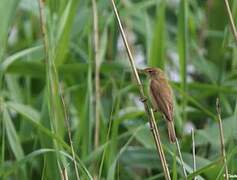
(181, 158)
(97, 73)
(231, 19)
(182, 40)
(156, 135)
(218, 110)
(64, 175)
(69, 136)
(97, 78)
(148, 111)
(194, 153)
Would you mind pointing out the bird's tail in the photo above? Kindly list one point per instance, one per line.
(171, 131)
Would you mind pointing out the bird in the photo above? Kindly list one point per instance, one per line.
(161, 98)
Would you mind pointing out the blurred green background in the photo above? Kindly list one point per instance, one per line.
(190, 40)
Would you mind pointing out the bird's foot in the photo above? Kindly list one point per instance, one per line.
(151, 128)
(143, 99)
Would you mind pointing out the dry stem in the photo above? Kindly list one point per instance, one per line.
(156, 136)
(193, 149)
(69, 136)
(97, 72)
(149, 112)
(64, 175)
(231, 19)
(218, 110)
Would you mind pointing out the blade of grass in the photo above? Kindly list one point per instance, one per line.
(231, 19)
(12, 136)
(14, 141)
(182, 49)
(33, 118)
(27, 158)
(64, 30)
(204, 169)
(7, 10)
(26, 52)
(194, 154)
(157, 49)
(111, 172)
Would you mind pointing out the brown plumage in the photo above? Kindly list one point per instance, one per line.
(162, 98)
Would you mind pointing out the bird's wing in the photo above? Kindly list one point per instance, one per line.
(162, 94)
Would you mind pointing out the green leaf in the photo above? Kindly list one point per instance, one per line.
(183, 48)
(23, 53)
(28, 158)
(157, 49)
(25, 110)
(7, 12)
(12, 136)
(14, 140)
(204, 169)
(64, 29)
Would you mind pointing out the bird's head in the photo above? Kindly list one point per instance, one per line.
(153, 72)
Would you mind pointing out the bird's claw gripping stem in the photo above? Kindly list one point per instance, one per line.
(143, 99)
(151, 128)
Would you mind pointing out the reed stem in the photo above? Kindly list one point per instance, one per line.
(231, 19)
(69, 136)
(218, 110)
(148, 110)
(97, 73)
(194, 153)
(181, 158)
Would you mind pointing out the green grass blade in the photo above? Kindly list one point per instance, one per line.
(182, 49)
(64, 30)
(7, 11)
(14, 140)
(157, 49)
(204, 169)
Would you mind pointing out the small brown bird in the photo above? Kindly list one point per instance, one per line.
(162, 98)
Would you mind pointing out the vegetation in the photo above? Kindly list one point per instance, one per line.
(70, 106)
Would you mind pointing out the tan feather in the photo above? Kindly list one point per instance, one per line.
(162, 98)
